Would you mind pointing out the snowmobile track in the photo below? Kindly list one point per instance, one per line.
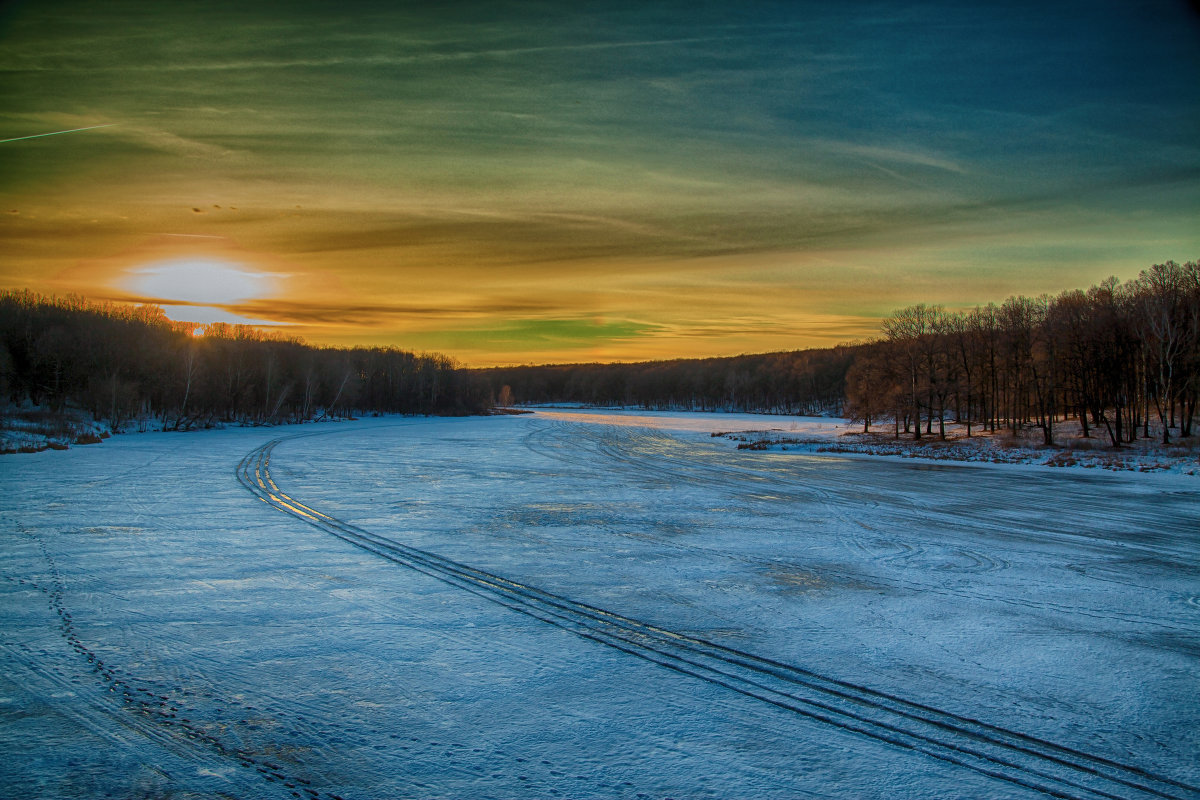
(1026, 761)
(132, 705)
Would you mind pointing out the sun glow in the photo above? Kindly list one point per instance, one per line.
(201, 282)
(203, 290)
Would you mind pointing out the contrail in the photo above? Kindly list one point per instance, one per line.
(56, 133)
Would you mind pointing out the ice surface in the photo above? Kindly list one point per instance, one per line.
(168, 634)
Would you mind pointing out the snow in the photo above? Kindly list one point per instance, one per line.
(30, 429)
(1071, 449)
(167, 633)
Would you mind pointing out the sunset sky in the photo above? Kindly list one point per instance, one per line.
(592, 181)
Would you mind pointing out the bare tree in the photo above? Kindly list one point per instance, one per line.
(907, 330)
(1161, 316)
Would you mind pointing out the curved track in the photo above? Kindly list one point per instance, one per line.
(151, 709)
(1029, 762)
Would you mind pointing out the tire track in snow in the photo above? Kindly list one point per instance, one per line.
(1026, 761)
(149, 708)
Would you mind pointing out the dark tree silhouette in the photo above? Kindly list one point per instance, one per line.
(121, 363)
(1111, 357)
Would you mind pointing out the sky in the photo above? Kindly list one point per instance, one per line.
(534, 182)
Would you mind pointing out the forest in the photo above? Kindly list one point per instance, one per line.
(800, 382)
(1121, 359)
(123, 363)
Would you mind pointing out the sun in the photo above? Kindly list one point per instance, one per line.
(203, 289)
(200, 282)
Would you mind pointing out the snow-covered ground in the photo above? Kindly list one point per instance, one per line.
(1071, 448)
(585, 604)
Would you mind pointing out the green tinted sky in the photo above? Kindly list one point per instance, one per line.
(576, 181)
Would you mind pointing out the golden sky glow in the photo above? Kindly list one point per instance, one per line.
(600, 181)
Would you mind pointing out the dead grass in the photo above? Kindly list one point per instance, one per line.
(31, 430)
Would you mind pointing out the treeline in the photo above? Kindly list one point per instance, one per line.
(122, 363)
(1122, 359)
(801, 382)
(1119, 358)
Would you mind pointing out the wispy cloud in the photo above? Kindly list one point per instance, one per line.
(127, 130)
(371, 60)
(716, 174)
(381, 315)
(172, 143)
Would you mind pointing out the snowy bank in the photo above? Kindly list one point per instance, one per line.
(1143, 455)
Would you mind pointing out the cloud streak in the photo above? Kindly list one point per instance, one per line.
(390, 60)
(56, 133)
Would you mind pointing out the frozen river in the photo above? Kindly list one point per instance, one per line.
(579, 605)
